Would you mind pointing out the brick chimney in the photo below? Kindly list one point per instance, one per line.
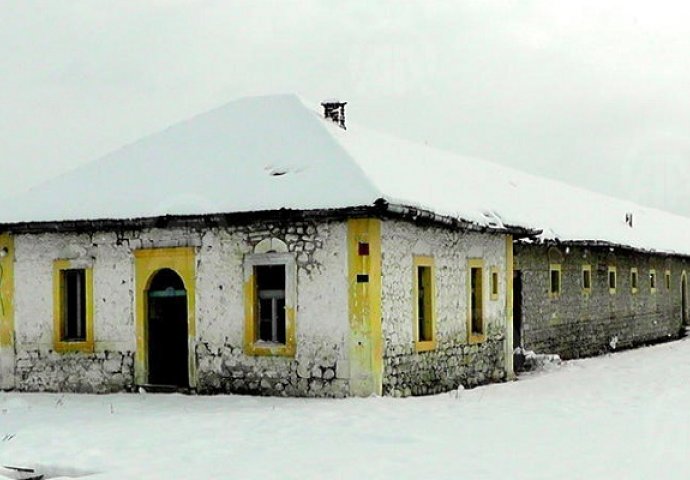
(335, 111)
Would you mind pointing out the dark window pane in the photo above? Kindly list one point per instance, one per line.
(270, 292)
(555, 281)
(424, 313)
(476, 301)
(74, 305)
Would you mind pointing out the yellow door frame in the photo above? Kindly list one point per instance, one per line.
(147, 262)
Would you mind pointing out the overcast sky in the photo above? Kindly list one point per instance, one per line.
(593, 92)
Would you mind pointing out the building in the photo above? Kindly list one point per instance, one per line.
(262, 248)
(255, 249)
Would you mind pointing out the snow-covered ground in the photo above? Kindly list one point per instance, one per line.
(624, 416)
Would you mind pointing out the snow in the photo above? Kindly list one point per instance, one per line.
(273, 152)
(625, 415)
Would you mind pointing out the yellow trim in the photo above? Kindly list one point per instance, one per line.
(614, 270)
(146, 263)
(509, 308)
(7, 292)
(251, 347)
(653, 281)
(555, 267)
(634, 280)
(587, 268)
(667, 279)
(364, 305)
(473, 337)
(87, 346)
(430, 314)
(494, 284)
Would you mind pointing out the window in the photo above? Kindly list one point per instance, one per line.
(73, 307)
(424, 321)
(476, 301)
(586, 279)
(668, 279)
(633, 280)
(494, 284)
(554, 280)
(652, 281)
(613, 281)
(270, 298)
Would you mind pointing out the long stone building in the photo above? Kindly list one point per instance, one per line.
(263, 248)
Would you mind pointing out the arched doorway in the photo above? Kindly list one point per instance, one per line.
(684, 299)
(167, 330)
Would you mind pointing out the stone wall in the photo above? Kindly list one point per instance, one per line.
(575, 324)
(454, 361)
(319, 368)
(103, 372)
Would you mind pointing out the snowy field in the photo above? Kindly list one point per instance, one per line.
(624, 416)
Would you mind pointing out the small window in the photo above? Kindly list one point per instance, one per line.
(270, 299)
(476, 323)
(634, 284)
(652, 280)
(270, 302)
(587, 278)
(73, 304)
(424, 303)
(554, 280)
(613, 280)
(494, 284)
(668, 279)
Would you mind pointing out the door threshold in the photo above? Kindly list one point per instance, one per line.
(154, 388)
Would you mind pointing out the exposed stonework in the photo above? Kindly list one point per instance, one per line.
(103, 372)
(575, 324)
(454, 361)
(320, 367)
(321, 259)
(227, 369)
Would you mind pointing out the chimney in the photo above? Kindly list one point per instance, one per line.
(629, 219)
(335, 111)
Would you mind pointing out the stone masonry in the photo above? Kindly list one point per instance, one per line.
(575, 324)
(320, 367)
(454, 361)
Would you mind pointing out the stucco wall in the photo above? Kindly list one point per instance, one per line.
(454, 361)
(575, 324)
(320, 367)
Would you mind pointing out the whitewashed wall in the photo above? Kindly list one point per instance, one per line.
(454, 361)
(319, 368)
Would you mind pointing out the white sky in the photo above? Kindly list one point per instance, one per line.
(593, 92)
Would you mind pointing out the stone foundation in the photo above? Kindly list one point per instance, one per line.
(105, 372)
(225, 369)
(451, 364)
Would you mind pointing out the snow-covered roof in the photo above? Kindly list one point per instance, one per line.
(275, 152)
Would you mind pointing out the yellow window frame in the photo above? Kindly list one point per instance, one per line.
(473, 337)
(555, 267)
(494, 284)
(60, 345)
(634, 280)
(251, 345)
(586, 271)
(614, 271)
(429, 304)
